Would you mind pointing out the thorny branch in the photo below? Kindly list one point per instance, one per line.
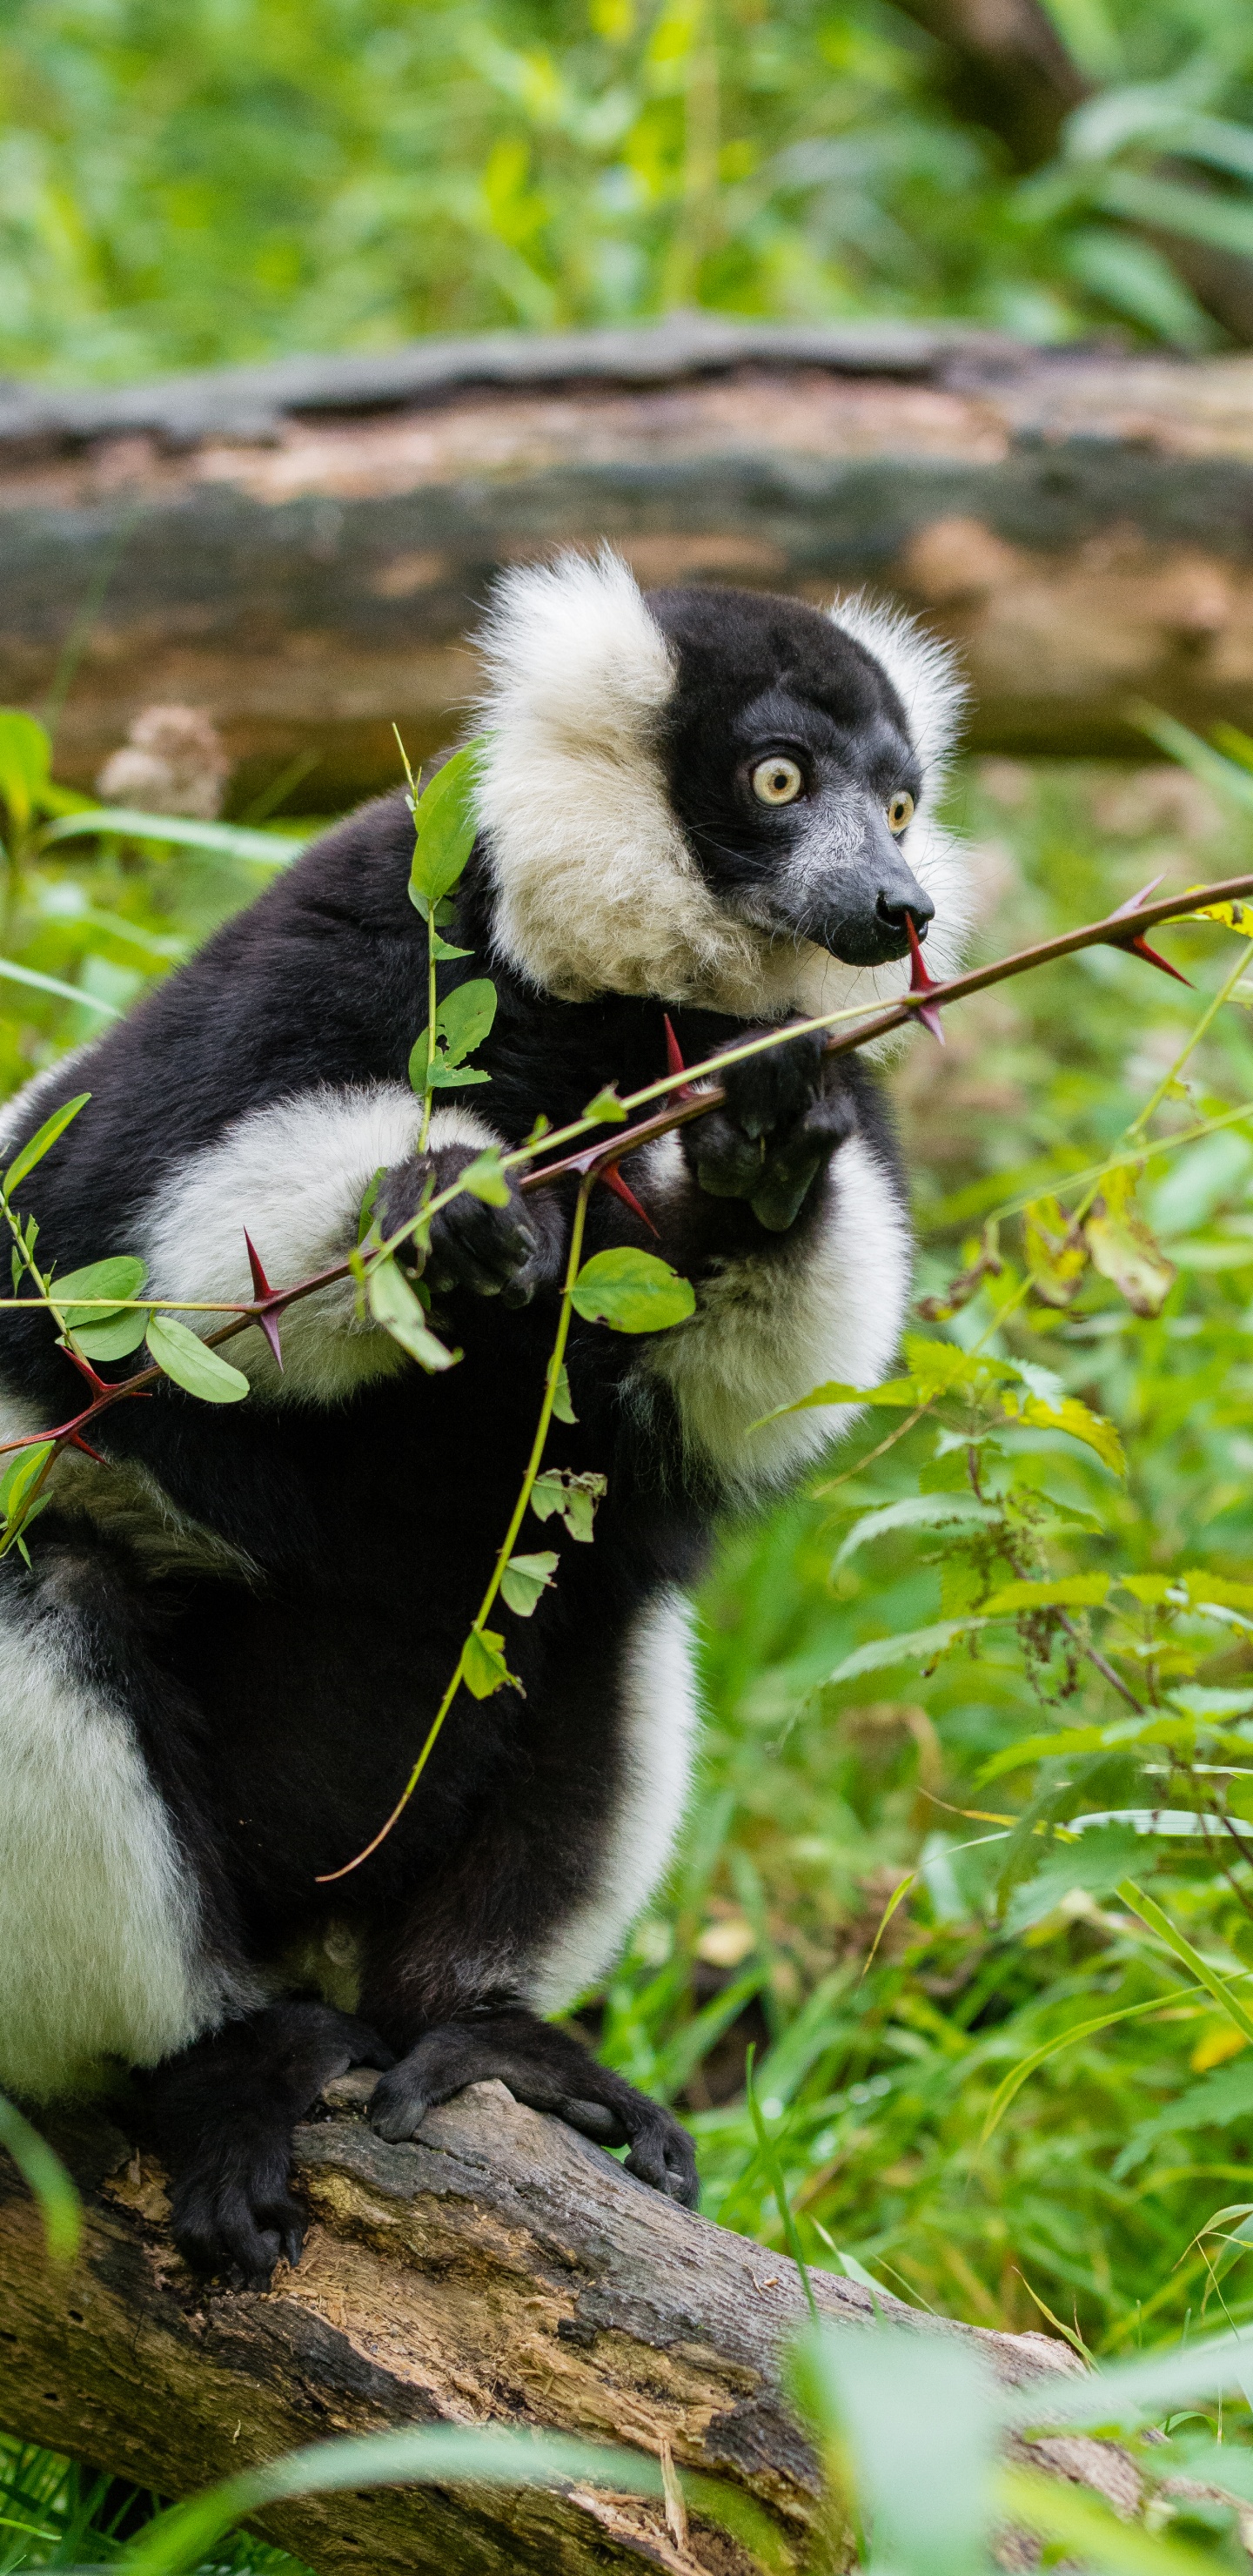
(684, 1102)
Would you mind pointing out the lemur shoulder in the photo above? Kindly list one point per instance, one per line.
(231, 1637)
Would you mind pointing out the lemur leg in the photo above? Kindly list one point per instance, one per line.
(221, 2115)
(548, 2069)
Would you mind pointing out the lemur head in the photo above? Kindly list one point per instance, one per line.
(714, 796)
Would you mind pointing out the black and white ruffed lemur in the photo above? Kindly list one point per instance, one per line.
(217, 1669)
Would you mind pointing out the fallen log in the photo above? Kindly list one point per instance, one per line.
(499, 2270)
(303, 549)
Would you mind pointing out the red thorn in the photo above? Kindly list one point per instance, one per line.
(921, 982)
(1134, 901)
(262, 1290)
(613, 1180)
(77, 1442)
(674, 1057)
(260, 1284)
(101, 1385)
(1142, 949)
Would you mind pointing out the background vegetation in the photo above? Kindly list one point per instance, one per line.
(186, 182)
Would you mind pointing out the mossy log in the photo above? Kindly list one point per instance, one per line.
(303, 549)
(499, 2270)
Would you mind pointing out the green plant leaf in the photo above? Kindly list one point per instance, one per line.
(1069, 1592)
(1026, 2066)
(1151, 1914)
(914, 1511)
(1125, 1250)
(44, 2173)
(926, 2496)
(396, 1306)
(485, 1179)
(574, 1497)
(20, 1475)
(1068, 1414)
(121, 1274)
(37, 1146)
(913, 1646)
(632, 1292)
(483, 1665)
(25, 764)
(562, 1406)
(606, 1108)
(186, 1359)
(216, 840)
(465, 1018)
(526, 1577)
(444, 829)
(430, 2454)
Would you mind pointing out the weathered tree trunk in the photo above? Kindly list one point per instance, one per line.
(302, 549)
(498, 2271)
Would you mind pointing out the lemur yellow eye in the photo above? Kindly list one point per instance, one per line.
(776, 781)
(900, 810)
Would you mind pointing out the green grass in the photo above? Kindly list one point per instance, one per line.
(815, 1800)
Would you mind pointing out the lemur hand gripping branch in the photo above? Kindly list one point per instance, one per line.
(695, 847)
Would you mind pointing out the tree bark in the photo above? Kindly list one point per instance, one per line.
(304, 550)
(499, 2270)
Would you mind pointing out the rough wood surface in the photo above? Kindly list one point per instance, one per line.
(498, 2270)
(303, 549)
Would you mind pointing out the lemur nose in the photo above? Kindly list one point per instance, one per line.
(897, 910)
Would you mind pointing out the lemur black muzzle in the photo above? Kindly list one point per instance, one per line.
(869, 901)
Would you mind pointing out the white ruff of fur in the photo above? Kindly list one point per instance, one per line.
(99, 1955)
(294, 1177)
(657, 1745)
(597, 890)
(765, 1333)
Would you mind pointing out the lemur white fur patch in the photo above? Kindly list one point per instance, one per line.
(765, 1332)
(99, 1955)
(596, 887)
(660, 1725)
(293, 1176)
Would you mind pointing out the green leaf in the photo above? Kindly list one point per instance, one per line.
(47, 2178)
(33, 1152)
(1125, 1250)
(1095, 1864)
(485, 1179)
(562, 1406)
(217, 840)
(606, 1108)
(25, 764)
(395, 1305)
(105, 1340)
(1151, 1914)
(913, 1646)
(185, 2536)
(574, 1497)
(915, 1511)
(526, 1577)
(483, 1665)
(12, 973)
(1071, 1592)
(186, 1359)
(20, 1475)
(1071, 1415)
(122, 1275)
(632, 1292)
(444, 829)
(464, 1019)
(926, 2493)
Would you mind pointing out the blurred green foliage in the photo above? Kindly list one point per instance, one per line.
(188, 182)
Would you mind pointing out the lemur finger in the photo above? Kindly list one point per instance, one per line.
(771, 1091)
(728, 1162)
(662, 2154)
(794, 1163)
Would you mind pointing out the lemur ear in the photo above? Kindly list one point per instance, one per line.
(925, 672)
(572, 650)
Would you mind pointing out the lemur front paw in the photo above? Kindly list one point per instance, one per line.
(507, 1252)
(550, 2071)
(783, 1118)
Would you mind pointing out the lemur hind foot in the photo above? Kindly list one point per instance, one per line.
(222, 2114)
(548, 2070)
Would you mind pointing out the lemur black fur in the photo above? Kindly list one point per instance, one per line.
(231, 1638)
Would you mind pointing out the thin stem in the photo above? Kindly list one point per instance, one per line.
(1173, 1072)
(552, 1378)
